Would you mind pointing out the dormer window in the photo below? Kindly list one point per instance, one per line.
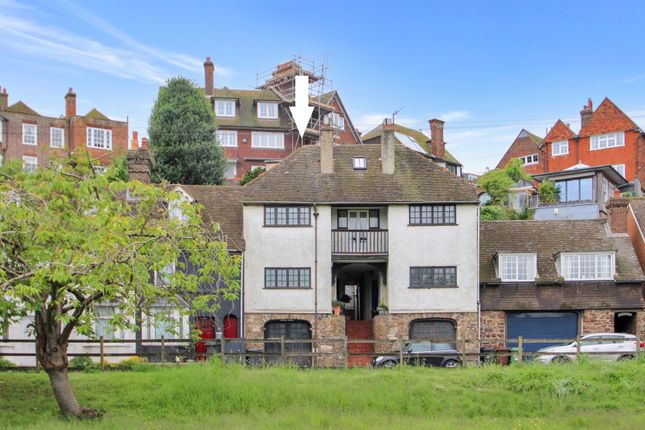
(587, 266)
(517, 267)
(267, 110)
(225, 108)
(359, 163)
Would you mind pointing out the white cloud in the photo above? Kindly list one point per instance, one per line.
(455, 115)
(634, 79)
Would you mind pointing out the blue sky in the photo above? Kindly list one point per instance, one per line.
(487, 68)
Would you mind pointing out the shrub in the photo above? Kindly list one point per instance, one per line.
(131, 363)
(81, 363)
(5, 363)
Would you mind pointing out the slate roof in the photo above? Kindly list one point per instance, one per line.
(559, 131)
(638, 207)
(420, 138)
(549, 238)
(21, 107)
(221, 205)
(246, 109)
(607, 118)
(416, 179)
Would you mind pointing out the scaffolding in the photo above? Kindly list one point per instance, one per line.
(282, 81)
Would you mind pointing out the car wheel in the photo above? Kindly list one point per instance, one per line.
(389, 364)
(625, 357)
(451, 364)
(560, 359)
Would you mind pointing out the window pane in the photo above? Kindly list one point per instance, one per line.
(269, 216)
(570, 263)
(426, 215)
(451, 276)
(437, 214)
(293, 278)
(415, 276)
(269, 278)
(522, 267)
(438, 278)
(281, 278)
(374, 218)
(282, 216)
(293, 216)
(603, 266)
(586, 192)
(304, 278)
(304, 216)
(508, 264)
(450, 214)
(342, 218)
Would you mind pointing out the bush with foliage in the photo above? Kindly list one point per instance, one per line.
(251, 175)
(498, 182)
(81, 363)
(548, 192)
(4, 363)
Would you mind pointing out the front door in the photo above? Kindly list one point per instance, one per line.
(206, 327)
(230, 326)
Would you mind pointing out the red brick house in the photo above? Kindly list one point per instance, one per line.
(255, 126)
(527, 147)
(34, 139)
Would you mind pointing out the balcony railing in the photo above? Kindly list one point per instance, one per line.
(359, 242)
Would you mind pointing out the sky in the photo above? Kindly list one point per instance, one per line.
(488, 68)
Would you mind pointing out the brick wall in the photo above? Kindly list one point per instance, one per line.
(637, 240)
(78, 138)
(493, 325)
(597, 321)
(617, 213)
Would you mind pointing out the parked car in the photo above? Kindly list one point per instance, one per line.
(599, 346)
(422, 354)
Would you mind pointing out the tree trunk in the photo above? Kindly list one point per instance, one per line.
(63, 393)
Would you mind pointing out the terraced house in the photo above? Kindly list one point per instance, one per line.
(371, 224)
(34, 139)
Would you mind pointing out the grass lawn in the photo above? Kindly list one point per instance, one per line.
(572, 396)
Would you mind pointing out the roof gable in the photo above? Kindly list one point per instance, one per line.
(246, 115)
(607, 118)
(559, 131)
(21, 107)
(95, 114)
(526, 143)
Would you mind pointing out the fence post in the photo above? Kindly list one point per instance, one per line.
(638, 345)
(223, 349)
(401, 363)
(463, 352)
(346, 352)
(163, 350)
(281, 349)
(578, 345)
(520, 349)
(102, 352)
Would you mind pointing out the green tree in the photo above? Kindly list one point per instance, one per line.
(72, 240)
(119, 170)
(251, 175)
(548, 192)
(182, 136)
(498, 182)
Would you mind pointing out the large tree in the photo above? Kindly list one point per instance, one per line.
(182, 136)
(71, 239)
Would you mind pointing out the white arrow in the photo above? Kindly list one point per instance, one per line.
(301, 112)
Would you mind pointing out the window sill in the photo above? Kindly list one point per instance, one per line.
(558, 155)
(287, 226)
(268, 147)
(608, 147)
(452, 287)
(286, 289)
(431, 225)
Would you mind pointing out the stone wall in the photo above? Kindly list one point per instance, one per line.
(493, 325)
(602, 321)
(329, 327)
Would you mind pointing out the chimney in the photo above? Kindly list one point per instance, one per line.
(140, 164)
(586, 113)
(387, 147)
(134, 143)
(70, 103)
(617, 209)
(144, 143)
(4, 99)
(438, 145)
(326, 148)
(209, 71)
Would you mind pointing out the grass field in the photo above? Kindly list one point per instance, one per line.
(572, 396)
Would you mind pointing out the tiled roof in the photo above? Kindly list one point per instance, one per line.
(549, 238)
(526, 143)
(607, 118)
(95, 114)
(416, 179)
(559, 131)
(21, 107)
(222, 205)
(419, 137)
(638, 207)
(246, 115)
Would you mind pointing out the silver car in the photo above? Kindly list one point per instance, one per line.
(598, 346)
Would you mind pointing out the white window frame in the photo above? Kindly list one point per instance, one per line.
(25, 133)
(531, 260)
(267, 110)
(29, 160)
(260, 139)
(227, 138)
(116, 333)
(562, 148)
(225, 108)
(154, 327)
(230, 164)
(607, 140)
(359, 163)
(52, 133)
(337, 121)
(162, 276)
(93, 138)
(565, 256)
(620, 168)
(530, 159)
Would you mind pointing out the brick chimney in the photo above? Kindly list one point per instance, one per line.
(70, 103)
(134, 143)
(387, 147)
(140, 164)
(144, 143)
(438, 145)
(617, 209)
(209, 76)
(4, 98)
(326, 148)
(586, 113)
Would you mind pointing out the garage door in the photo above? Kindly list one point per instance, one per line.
(542, 325)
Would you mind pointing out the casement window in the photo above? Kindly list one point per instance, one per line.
(530, 159)
(287, 216)
(584, 266)
(287, 277)
(162, 277)
(267, 110)
(433, 277)
(517, 267)
(29, 163)
(57, 137)
(231, 169)
(102, 326)
(607, 140)
(575, 190)
(620, 168)
(264, 139)
(358, 219)
(227, 138)
(30, 134)
(99, 138)
(163, 323)
(225, 108)
(337, 121)
(560, 148)
(433, 214)
(359, 163)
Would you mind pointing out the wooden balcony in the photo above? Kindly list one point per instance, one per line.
(359, 242)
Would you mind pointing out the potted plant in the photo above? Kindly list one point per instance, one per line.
(337, 306)
(382, 308)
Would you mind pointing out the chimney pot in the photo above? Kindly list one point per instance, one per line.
(4, 99)
(437, 143)
(209, 78)
(135, 140)
(70, 103)
(387, 147)
(144, 143)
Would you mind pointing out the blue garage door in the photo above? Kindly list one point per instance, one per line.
(542, 325)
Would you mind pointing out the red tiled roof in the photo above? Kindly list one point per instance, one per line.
(606, 118)
(560, 131)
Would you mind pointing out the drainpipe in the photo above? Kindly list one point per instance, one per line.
(315, 278)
